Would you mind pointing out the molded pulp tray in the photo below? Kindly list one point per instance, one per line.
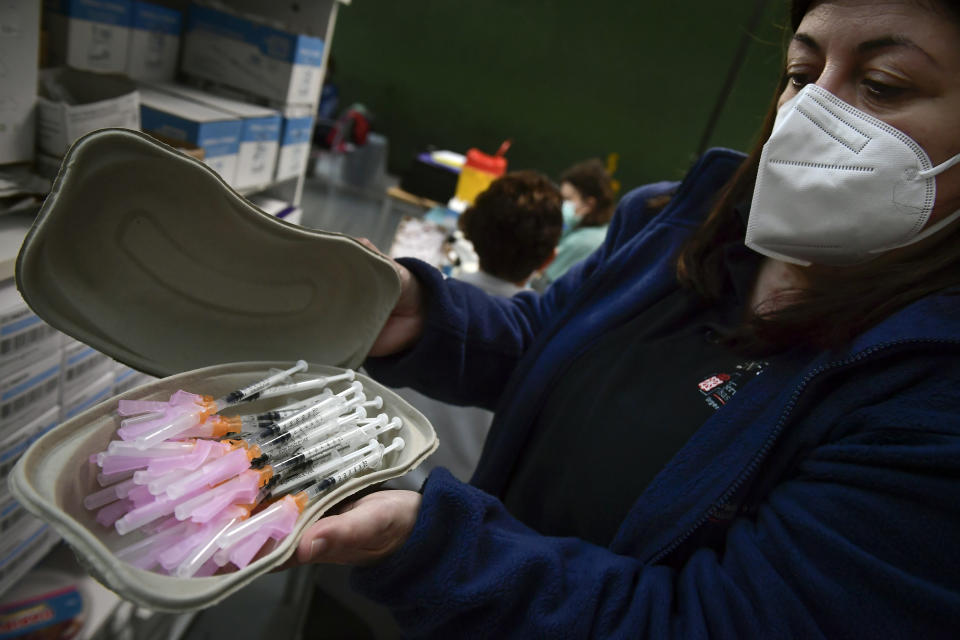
(54, 475)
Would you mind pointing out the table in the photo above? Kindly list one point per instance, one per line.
(395, 195)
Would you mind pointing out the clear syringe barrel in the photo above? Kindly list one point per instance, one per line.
(321, 470)
(366, 432)
(324, 405)
(287, 444)
(244, 392)
(306, 385)
(369, 461)
(326, 416)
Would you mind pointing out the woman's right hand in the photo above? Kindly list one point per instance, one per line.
(405, 324)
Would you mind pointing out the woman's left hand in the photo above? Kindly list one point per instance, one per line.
(362, 532)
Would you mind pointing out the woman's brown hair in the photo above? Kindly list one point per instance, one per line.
(591, 179)
(832, 306)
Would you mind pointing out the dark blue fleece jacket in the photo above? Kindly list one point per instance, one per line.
(822, 501)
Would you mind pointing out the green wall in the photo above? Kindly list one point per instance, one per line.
(565, 80)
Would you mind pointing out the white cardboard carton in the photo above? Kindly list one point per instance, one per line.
(276, 65)
(216, 131)
(154, 42)
(19, 44)
(13, 442)
(29, 391)
(82, 365)
(89, 34)
(259, 139)
(294, 143)
(86, 396)
(73, 103)
(24, 337)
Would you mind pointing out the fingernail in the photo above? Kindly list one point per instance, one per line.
(317, 547)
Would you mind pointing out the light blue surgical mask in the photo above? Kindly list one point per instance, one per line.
(570, 218)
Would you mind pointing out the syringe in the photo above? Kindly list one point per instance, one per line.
(283, 445)
(303, 385)
(334, 404)
(243, 393)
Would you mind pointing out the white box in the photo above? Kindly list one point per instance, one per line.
(85, 396)
(232, 50)
(181, 119)
(30, 391)
(154, 42)
(126, 378)
(19, 46)
(89, 34)
(73, 103)
(259, 139)
(24, 337)
(15, 441)
(294, 143)
(82, 365)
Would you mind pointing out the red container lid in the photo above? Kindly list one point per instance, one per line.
(495, 164)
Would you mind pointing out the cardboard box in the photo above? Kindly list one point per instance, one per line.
(276, 65)
(82, 365)
(29, 391)
(14, 442)
(126, 378)
(294, 143)
(217, 132)
(259, 139)
(24, 337)
(73, 103)
(154, 42)
(89, 34)
(19, 47)
(85, 396)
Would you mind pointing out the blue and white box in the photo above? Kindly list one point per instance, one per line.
(89, 34)
(154, 42)
(259, 140)
(278, 66)
(81, 366)
(14, 442)
(126, 378)
(217, 132)
(86, 396)
(294, 143)
(29, 391)
(24, 337)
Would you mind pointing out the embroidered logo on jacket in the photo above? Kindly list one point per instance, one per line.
(720, 387)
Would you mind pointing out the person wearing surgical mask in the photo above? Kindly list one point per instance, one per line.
(588, 206)
(737, 418)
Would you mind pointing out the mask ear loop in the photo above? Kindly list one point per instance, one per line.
(940, 168)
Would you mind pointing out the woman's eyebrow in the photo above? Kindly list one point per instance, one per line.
(885, 42)
(868, 46)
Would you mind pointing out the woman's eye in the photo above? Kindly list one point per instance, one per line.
(798, 81)
(881, 91)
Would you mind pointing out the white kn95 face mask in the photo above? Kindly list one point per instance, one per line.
(837, 186)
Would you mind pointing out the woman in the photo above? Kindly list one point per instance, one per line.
(803, 482)
(588, 206)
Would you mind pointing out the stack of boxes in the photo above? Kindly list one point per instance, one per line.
(30, 368)
(257, 136)
(19, 44)
(276, 68)
(45, 378)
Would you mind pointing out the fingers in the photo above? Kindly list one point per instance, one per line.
(365, 532)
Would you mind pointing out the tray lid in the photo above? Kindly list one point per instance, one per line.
(150, 257)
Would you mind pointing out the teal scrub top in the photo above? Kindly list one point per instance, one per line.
(574, 247)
